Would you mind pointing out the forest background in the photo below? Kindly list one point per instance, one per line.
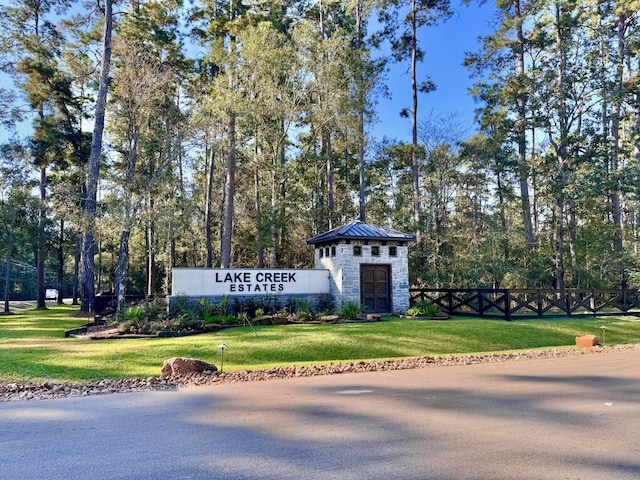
(226, 133)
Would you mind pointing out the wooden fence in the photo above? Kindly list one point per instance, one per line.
(529, 302)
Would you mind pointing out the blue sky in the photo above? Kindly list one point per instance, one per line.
(444, 46)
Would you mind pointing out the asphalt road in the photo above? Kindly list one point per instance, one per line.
(564, 418)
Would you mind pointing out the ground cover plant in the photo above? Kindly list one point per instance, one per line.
(33, 346)
(424, 308)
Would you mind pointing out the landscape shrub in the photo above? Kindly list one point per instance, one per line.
(135, 326)
(186, 315)
(326, 305)
(271, 304)
(424, 308)
(302, 305)
(351, 310)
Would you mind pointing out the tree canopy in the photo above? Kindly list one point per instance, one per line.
(227, 132)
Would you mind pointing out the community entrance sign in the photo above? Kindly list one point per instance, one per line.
(195, 282)
(357, 262)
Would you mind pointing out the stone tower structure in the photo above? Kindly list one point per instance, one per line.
(367, 264)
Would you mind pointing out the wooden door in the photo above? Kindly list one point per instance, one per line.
(375, 288)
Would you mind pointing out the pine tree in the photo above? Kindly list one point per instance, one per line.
(403, 34)
(31, 48)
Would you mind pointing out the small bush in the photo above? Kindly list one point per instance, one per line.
(167, 325)
(225, 320)
(207, 310)
(187, 324)
(183, 306)
(351, 310)
(246, 305)
(145, 311)
(290, 306)
(302, 305)
(135, 326)
(223, 307)
(424, 308)
(133, 312)
(326, 305)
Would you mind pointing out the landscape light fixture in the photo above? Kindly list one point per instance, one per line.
(604, 334)
(222, 346)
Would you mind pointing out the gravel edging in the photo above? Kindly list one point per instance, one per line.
(16, 391)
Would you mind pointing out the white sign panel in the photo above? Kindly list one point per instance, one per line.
(195, 282)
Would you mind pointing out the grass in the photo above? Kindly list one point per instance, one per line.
(33, 346)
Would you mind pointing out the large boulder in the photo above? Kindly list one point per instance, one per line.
(182, 366)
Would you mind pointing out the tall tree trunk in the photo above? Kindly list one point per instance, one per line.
(208, 212)
(7, 271)
(122, 269)
(362, 105)
(172, 257)
(230, 179)
(561, 149)
(415, 163)
(572, 227)
(260, 236)
(521, 126)
(88, 247)
(76, 269)
(273, 258)
(122, 266)
(361, 169)
(559, 234)
(100, 270)
(282, 230)
(42, 249)
(229, 194)
(328, 154)
(60, 263)
(534, 185)
(151, 254)
(614, 196)
(504, 241)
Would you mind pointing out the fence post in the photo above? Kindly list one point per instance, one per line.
(450, 301)
(539, 303)
(507, 305)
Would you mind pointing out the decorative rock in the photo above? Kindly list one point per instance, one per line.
(262, 320)
(587, 341)
(182, 366)
(279, 320)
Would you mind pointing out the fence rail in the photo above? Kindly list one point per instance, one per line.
(530, 303)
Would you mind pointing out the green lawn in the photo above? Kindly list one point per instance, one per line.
(33, 346)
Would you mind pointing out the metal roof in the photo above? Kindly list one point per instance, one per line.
(358, 230)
